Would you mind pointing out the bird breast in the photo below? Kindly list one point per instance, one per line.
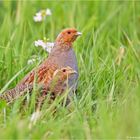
(66, 58)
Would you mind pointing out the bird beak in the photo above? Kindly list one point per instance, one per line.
(78, 33)
(73, 71)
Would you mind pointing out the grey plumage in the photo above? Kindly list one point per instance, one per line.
(66, 58)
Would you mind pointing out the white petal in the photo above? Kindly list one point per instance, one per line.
(48, 12)
(43, 45)
(31, 61)
(46, 46)
(39, 43)
(49, 46)
(48, 49)
(38, 17)
(38, 13)
(35, 116)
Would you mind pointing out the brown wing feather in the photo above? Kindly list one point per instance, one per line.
(43, 74)
(10, 95)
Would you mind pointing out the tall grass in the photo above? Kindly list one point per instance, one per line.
(108, 98)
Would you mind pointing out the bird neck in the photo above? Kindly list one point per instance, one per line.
(59, 46)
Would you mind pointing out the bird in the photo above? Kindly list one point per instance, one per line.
(56, 85)
(62, 55)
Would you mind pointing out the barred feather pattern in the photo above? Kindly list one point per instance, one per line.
(13, 94)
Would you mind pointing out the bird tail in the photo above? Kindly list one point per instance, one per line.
(10, 95)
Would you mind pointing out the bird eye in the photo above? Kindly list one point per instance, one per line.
(64, 70)
(69, 32)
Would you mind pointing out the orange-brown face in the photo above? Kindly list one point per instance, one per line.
(64, 73)
(68, 35)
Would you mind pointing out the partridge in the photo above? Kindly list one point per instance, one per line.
(62, 55)
(56, 85)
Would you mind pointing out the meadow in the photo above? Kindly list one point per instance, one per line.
(107, 103)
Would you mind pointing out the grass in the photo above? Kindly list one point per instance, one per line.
(108, 99)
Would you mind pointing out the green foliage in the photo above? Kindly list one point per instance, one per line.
(108, 98)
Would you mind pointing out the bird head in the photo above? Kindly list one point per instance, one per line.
(64, 73)
(68, 36)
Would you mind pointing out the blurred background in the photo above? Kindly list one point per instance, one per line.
(108, 53)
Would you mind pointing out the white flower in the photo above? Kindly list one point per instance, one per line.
(48, 12)
(45, 45)
(41, 15)
(40, 43)
(49, 46)
(38, 17)
(34, 118)
(120, 55)
(31, 61)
